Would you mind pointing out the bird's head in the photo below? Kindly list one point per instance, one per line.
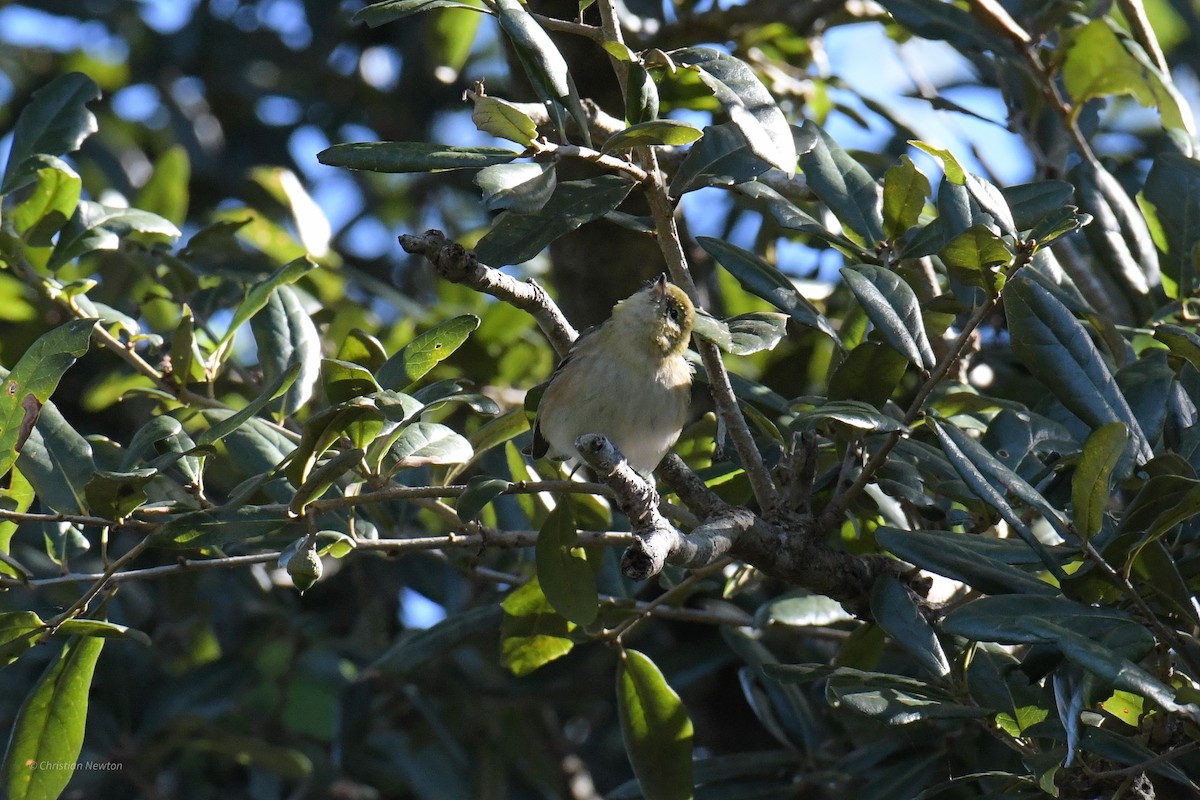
(664, 311)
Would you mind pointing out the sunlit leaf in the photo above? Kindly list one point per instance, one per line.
(656, 728)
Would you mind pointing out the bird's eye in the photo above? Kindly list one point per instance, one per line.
(673, 313)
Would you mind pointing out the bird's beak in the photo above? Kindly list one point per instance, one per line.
(660, 286)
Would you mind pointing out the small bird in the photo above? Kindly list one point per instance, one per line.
(626, 379)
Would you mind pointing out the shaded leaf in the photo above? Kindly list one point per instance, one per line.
(761, 279)
(57, 462)
(656, 729)
(417, 648)
(1057, 350)
(31, 382)
(749, 105)
(480, 490)
(522, 188)
(55, 123)
(532, 635)
(286, 337)
(869, 373)
(1031, 202)
(721, 158)
(904, 191)
(1167, 199)
(98, 227)
(116, 494)
(217, 527)
(567, 580)
(256, 299)
(957, 556)
(429, 443)
(387, 11)
(845, 186)
(852, 413)
(412, 156)
(515, 238)
(893, 307)
(896, 612)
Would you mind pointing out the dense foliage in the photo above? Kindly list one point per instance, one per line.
(266, 529)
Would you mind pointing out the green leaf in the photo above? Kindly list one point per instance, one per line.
(286, 336)
(503, 120)
(532, 635)
(321, 479)
(892, 306)
(57, 461)
(424, 352)
(257, 297)
(978, 251)
(544, 65)
(49, 725)
(31, 382)
(986, 476)
(904, 191)
(857, 415)
(958, 556)
(1118, 235)
(165, 193)
(521, 188)
(54, 123)
(749, 105)
(232, 422)
(1031, 202)
(1109, 666)
(1098, 64)
(1169, 199)
(1060, 354)
(566, 578)
(480, 490)
(412, 156)
(98, 227)
(999, 619)
(18, 631)
(345, 381)
(656, 729)
(515, 238)
(387, 11)
(953, 170)
(641, 94)
(1183, 343)
(897, 613)
(763, 280)
(845, 186)
(756, 331)
(216, 528)
(721, 158)
(117, 494)
(51, 203)
(869, 373)
(1090, 485)
(429, 443)
(415, 649)
(103, 629)
(655, 132)
(897, 707)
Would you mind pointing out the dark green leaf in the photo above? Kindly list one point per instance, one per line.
(1057, 350)
(991, 201)
(58, 463)
(31, 382)
(655, 132)
(946, 22)
(792, 217)
(721, 158)
(563, 572)
(49, 725)
(755, 332)
(1090, 489)
(1109, 666)
(869, 373)
(893, 307)
(234, 421)
(55, 123)
(286, 336)
(387, 11)
(1169, 201)
(897, 613)
(412, 156)
(97, 227)
(842, 184)
(521, 188)
(956, 556)
(748, 103)
(515, 238)
(904, 191)
(641, 94)
(417, 648)
(532, 635)
(429, 443)
(999, 619)
(321, 479)
(116, 494)
(480, 490)
(761, 279)
(656, 728)
(256, 300)
(855, 414)
(1031, 202)
(216, 528)
(543, 63)
(425, 351)
(1184, 343)
(896, 707)
(50, 204)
